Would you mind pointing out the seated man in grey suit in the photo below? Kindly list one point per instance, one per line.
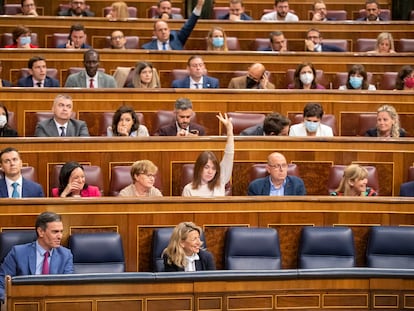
(278, 183)
(91, 77)
(274, 124)
(197, 78)
(61, 124)
(38, 78)
(14, 185)
(182, 125)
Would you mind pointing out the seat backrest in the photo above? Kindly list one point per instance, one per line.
(187, 174)
(340, 43)
(385, 14)
(8, 39)
(14, 237)
(388, 80)
(365, 122)
(290, 74)
(106, 121)
(260, 44)
(93, 176)
(12, 9)
(12, 119)
(365, 45)
(412, 15)
(252, 249)
(233, 43)
(97, 252)
(326, 247)
(336, 173)
(50, 72)
(391, 247)
(241, 120)
(339, 15)
(121, 177)
(341, 78)
(327, 119)
(160, 239)
(28, 172)
(410, 173)
(132, 42)
(406, 45)
(166, 117)
(219, 11)
(179, 74)
(59, 39)
(258, 170)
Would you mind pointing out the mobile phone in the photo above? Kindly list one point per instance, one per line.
(195, 132)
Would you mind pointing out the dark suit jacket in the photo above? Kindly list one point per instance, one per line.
(171, 130)
(5, 83)
(255, 130)
(177, 38)
(364, 19)
(83, 46)
(68, 12)
(372, 132)
(30, 189)
(331, 48)
(79, 80)
(208, 83)
(7, 131)
(28, 82)
(243, 17)
(48, 128)
(261, 186)
(21, 260)
(407, 189)
(206, 262)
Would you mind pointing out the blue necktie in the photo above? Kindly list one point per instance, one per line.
(164, 46)
(15, 193)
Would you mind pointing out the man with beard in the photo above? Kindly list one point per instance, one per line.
(256, 78)
(372, 11)
(281, 13)
(91, 77)
(77, 9)
(182, 125)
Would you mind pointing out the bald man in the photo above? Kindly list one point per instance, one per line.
(277, 183)
(256, 78)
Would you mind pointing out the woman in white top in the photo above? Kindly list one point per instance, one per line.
(311, 125)
(357, 79)
(125, 123)
(210, 177)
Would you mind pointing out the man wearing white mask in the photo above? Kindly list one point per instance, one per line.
(311, 125)
(313, 43)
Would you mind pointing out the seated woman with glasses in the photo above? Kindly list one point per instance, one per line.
(354, 183)
(185, 252)
(143, 178)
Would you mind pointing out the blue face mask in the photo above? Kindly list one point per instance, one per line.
(218, 42)
(311, 126)
(355, 82)
(25, 40)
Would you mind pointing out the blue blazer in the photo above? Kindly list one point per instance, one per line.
(407, 189)
(243, 17)
(177, 38)
(261, 186)
(30, 189)
(331, 48)
(83, 46)
(28, 82)
(208, 83)
(21, 260)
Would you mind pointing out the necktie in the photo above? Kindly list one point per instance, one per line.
(62, 131)
(15, 193)
(39, 84)
(91, 86)
(196, 85)
(164, 46)
(45, 266)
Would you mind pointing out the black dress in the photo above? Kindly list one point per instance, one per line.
(206, 262)
(7, 131)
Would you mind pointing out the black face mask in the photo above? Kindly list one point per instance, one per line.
(251, 84)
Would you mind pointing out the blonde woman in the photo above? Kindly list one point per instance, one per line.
(184, 251)
(354, 183)
(217, 40)
(119, 11)
(384, 44)
(388, 123)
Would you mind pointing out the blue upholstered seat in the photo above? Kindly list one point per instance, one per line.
(326, 247)
(14, 237)
(252, 249)
(391, 247)
(97, 252)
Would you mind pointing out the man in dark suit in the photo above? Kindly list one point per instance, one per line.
(407, 189)
(278, 183)
(38, 78)
(278, 42)
(77, 38)
(182, 125)
(13, 185)
(61, 124)
(164, 10)
(274, 125)
(236, 12)
(77, 9)
(319, 12)
(173, 40)
(43, 256)
(91, 77)
(372, 11)
(313, 43)
(197, 79)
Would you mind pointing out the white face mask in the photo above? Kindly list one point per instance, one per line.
(306, 78)
(3, 120)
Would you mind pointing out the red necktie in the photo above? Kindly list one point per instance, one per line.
(91, 86)
(45, 267)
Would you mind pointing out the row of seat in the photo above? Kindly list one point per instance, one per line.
(245, 248)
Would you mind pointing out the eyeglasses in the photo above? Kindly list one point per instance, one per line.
(149, 175)
(278, 166)
(200, 65)
(117, 37)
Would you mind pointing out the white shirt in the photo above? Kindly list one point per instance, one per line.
(192, 83)
(272, 17)
(95, 80)
(10, 188)
(300, 130)
(371, 87)
(36, 81)
(58, 126)
(160, 45)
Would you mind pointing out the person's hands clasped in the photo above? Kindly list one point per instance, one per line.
(123, 130)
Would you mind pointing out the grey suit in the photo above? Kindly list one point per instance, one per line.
(48, 128)
(79, 80)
